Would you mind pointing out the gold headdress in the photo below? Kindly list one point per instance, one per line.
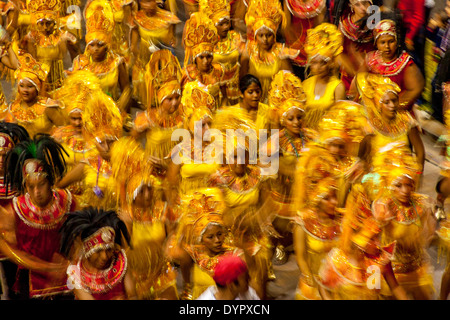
(344, 120)
(199, 36)
(99, 16)
(131, 169)
(202, 208)
(77, 90)
(286, 92)
(265, 14)
(31, 69)
(44, 10)
(239, 131)
(196, 95)
(102, 118)
(392, 163)
(216, 10)
(163, 76)
(324, 40)
(372, 87)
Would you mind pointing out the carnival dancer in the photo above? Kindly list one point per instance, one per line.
(190, 164)
(390, 60)
(148, 218)
(31, 237)
(100, 58)
(164, 112)
(406, 217)
(264, 56)
(78, 144)
(103, 123)
(286, 100)
(358, 39)
(390, 128)
(316, 232)
(335, 153)
(93, 240)
(199, 39)
(152, 28)
(323, 46)
(47, 41)
(9, 63)
(10, 135)
(228, 49)
(201, 240)
(244, 189)
(300, 17)
(31, 108)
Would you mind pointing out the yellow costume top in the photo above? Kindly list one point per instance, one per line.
(394, 136)
(158, 133)
(33, 118)
(320, 239)
(119, 43)
(195, 176)
(153, 31)
(262, 119)
(317, 106)
(405, 225)
(148, 263)
(78, 148)
(51, 51)
(227, 53)
(264, 68)
(107, 71)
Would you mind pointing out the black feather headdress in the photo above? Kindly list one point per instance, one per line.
(43, 148)
(84, 223)
(15, 131)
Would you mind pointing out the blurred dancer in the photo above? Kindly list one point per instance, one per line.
(323, 46)
(263, 56)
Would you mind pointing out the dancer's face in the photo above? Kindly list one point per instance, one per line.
(144, 197)
(170, 103)
(148, 6)
(388, 105)
(213, 238)
(252, 95)
(360, 8)
(265, 39)
(293, 121)
(402, 189)
(387, 45)
(102, 259)
(46, 26)
(27, 90)
(320, 66)
(337, 148)
(204, 62)
(98, 50)
(223, 26)
(76, 121)
(39, 189)
(328, 204)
